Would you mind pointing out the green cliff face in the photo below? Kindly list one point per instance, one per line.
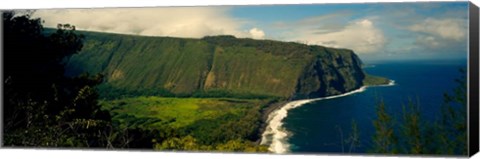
(219, 65)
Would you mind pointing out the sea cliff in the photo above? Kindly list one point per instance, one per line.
(216, 66)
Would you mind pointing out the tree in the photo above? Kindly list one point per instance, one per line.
(184, 143)
(42, 106)
(384, 138)
(411, 127)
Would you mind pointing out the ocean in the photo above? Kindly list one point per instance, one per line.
(320, 125)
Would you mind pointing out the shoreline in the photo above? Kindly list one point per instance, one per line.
(265, 115)
(267, 112)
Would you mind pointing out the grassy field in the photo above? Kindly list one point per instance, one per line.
(176, 112)
(208, 122)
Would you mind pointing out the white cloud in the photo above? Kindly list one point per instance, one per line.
(441, 35)
(428, 41)
(193, 22)
(257, 33)
(451, 29)
(361, 36)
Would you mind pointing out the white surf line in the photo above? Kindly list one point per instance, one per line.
(276, 135)
(390, 83)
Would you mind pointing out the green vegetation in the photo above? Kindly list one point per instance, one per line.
(217, 66)
(371, 80)
(177, 112)
(384, 138)
(198, 123)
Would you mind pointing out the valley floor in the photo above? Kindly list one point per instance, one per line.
(224, 124)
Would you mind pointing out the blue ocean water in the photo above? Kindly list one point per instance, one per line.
(321, 126)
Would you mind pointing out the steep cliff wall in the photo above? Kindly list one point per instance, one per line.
(223, 64)
(334, 72)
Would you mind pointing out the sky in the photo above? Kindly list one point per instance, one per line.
(374, 31)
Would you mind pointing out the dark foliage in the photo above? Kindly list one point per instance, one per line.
(42, 107)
